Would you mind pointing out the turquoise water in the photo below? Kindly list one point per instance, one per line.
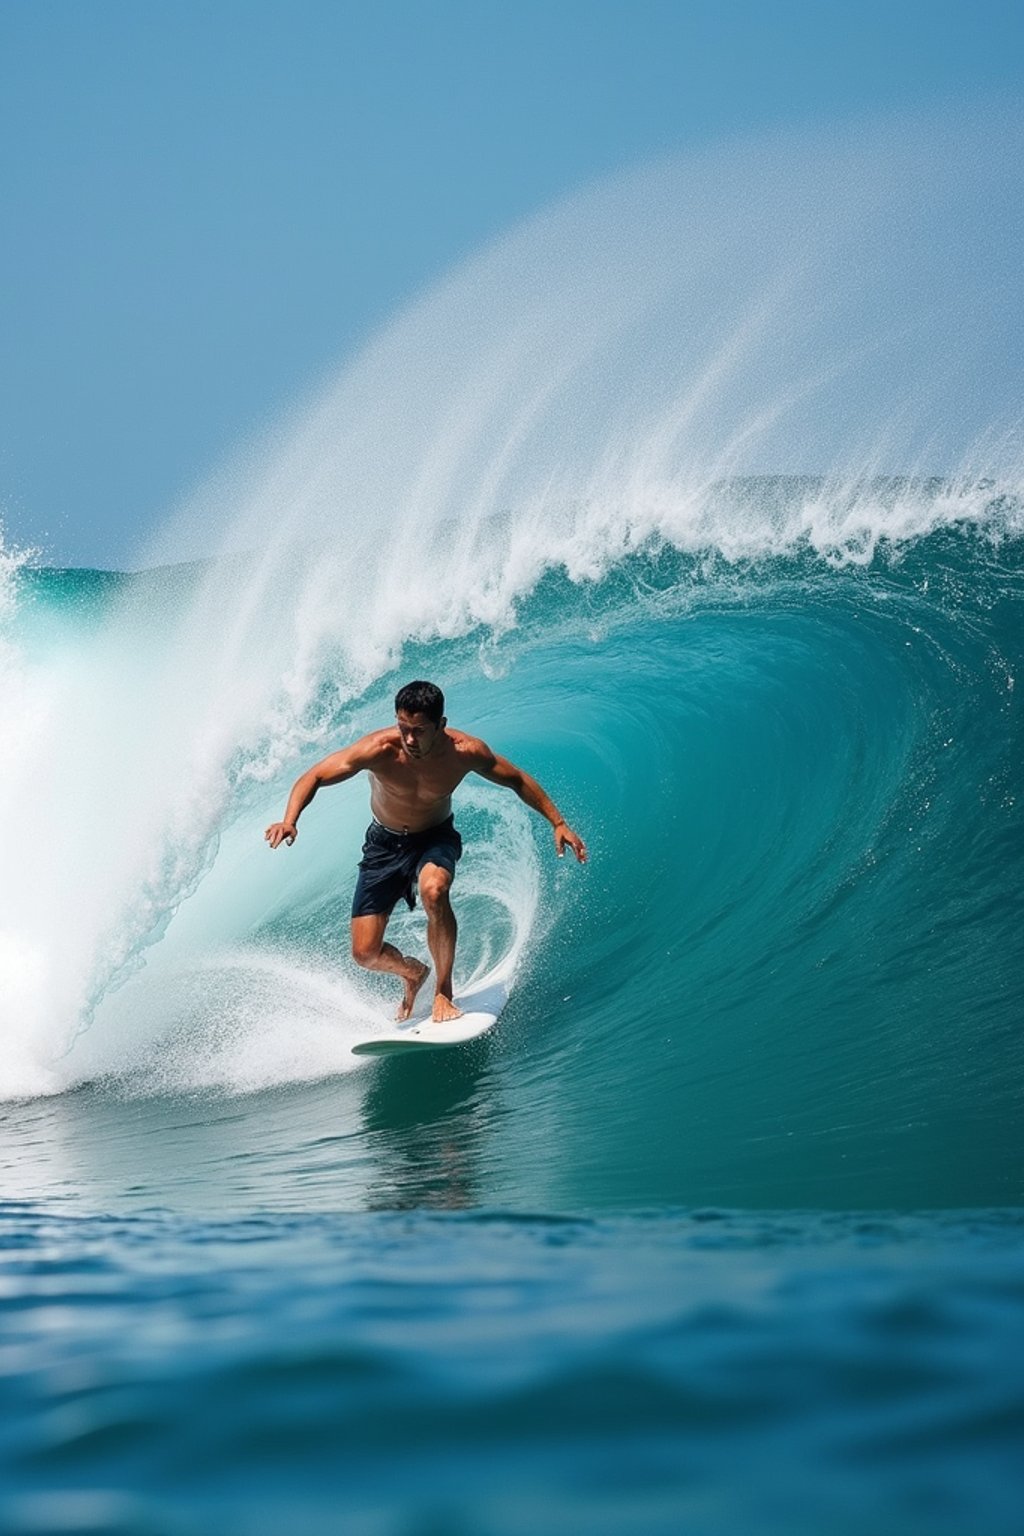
(479, 1373)
(719, 1229)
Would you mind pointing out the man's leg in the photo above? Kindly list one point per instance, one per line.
(369, 950)
(442, 932)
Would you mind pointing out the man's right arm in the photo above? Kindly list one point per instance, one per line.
(334, 769)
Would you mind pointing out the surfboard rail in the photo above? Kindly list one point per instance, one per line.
(481, 1007)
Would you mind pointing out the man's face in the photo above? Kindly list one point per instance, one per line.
(417, 732)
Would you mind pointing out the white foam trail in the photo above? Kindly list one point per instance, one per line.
(580, 388)
(206, 1015)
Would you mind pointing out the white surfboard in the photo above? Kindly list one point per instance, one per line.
(480, 1006)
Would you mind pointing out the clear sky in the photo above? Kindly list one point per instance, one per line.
(207, 203)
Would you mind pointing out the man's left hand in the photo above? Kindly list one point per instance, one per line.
(565, 838)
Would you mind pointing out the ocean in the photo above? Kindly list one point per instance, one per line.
(719, 1230)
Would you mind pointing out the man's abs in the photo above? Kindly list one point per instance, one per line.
(398, 815)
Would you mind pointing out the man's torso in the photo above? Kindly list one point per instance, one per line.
(409, 796)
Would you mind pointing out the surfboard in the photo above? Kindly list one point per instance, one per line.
(481, 1006)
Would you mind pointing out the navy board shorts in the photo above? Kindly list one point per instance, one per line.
(390, 866)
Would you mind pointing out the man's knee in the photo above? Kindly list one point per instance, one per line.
(434, 887)
(365, 949)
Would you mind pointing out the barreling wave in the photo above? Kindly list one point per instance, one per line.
(782, 708)
(800, 777)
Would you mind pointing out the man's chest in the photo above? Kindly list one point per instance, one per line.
(422, 782)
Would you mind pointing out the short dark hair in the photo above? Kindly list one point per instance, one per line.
(421, 698)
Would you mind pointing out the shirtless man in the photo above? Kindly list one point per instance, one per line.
(414, 766)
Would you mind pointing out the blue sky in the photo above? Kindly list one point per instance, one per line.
(206, 205)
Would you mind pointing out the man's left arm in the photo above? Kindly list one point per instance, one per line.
(498, 770)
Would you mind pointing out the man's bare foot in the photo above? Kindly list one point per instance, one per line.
(444, 1009)
(405, 1007)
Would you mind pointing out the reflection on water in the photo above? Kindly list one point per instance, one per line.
(425, 1120)
(398, 1134)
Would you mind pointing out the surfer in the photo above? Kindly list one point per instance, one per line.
(414, 767)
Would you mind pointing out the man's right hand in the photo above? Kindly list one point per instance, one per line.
(281, 832)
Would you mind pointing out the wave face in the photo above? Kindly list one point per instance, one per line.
(790, 974)
(783, 708)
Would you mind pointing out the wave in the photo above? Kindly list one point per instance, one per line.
(800, 780)
(782, 708)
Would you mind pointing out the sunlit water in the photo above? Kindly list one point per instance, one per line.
(720, 1228)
